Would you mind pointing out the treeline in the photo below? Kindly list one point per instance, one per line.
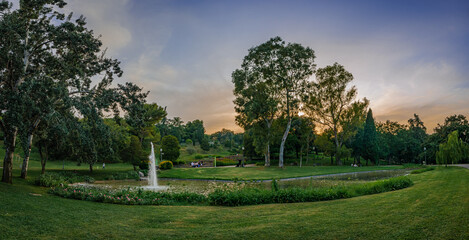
(280, 108)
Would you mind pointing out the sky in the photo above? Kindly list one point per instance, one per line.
(406, 56)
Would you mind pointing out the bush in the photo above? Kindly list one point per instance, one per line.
(179, 162)
(260, 163)
(170, 146)
(226, 162)
(252, 196)
(190, 150)
(426, 169)
(123, 176)
(128, 196)
(51, 179)
(198, 156)
(164, 165)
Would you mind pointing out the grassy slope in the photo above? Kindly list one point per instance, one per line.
(436, 207)
(228, 173)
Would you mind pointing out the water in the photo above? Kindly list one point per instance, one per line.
(152, 174)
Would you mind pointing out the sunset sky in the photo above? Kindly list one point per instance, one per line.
(406, 56)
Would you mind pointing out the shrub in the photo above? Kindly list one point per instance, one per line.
(226, 162)
(51, 179)
(164, 165)
(260, 163)
(190, 150)
(198, 156)
(251, 196)
(179, 162)
(123, 176)
(170, 146)
(417, 171)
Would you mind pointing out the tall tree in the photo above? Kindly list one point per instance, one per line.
(370, 139)
(332, 105)
(285, 69)
(38, 43)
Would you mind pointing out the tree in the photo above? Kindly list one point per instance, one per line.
(195, 130)
(204, 144)
(284, 69)
(332, 105)
(39, 44)
(453, 150)
(324, 143)
(170, 146)
(257, 106)
(134, 153)
(453, 123)
(370, 139)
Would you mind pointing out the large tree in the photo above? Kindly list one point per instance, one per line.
(284, 68)
(370, 139)
(39, 44)
(333, 106)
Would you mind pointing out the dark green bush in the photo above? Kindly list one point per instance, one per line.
(51, 179)
(124, 175)
(252, 196)
(198, 156)
(426, 169)
(165, 165)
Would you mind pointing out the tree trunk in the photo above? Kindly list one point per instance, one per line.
(337, 147)
(27, 154)
(267, 156)
(282, 145)
(10, 141)
(332, 160)
(43, 158)
(301, 155)
(91, 168)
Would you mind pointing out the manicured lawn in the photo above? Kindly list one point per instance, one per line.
(258, 173)
(436, 207)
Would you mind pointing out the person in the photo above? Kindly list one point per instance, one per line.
(104, 165)
(192, 164)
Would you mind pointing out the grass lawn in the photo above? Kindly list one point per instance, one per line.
(436, 207)
(263, 173)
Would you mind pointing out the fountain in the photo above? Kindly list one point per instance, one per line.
(152, 174)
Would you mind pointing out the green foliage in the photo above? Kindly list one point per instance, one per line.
(134, 153)
(426, 169)
(204, 144)
(254, 196)
(128, 196)
(198, 156)
(322, 101)
(453, 151)
(165, 165)
(370, 139)
(123, 176)
(170, 146)
(52, 179)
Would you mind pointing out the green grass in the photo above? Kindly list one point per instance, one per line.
(436, 207)
(262, 173)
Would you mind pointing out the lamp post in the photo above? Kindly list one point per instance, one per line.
(161, 154)
(425, 154)
(313, 154)
(243, 157)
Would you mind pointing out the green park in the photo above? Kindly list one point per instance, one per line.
(88, 152)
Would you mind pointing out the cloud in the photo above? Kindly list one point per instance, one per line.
(108, 18)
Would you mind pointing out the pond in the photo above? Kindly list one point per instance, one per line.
(207, 186)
